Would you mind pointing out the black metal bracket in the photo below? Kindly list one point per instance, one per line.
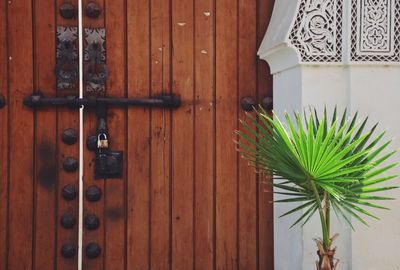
(2, 102)
(67, 69)
(95, 68)
(161, 101)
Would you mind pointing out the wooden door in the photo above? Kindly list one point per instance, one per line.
(186, 200)
(33, 183)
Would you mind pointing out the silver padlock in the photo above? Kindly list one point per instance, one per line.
(102, 141)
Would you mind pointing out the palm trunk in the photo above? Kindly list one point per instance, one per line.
(326, 253)
(327, 260)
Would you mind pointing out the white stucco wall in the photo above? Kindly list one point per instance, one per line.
(375, 91)
(296, 89)
(370, 87)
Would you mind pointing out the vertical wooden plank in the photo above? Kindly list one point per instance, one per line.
(265, 198)
(67, 118)
(114, 190)
(97, 208)
(4, 153)
(21, 131)
(160, 137)
(204, 134)
(226, 123)
(247, 177)
(138, 154)
(45, 139)
(182, 135)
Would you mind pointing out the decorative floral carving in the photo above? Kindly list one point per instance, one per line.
(317, 30)
(376, 26)
(375, 30)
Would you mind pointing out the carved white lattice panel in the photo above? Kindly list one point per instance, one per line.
(317, 31)
(375, 34)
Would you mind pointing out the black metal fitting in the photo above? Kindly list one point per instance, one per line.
(160, 101)
(93, 193)
(248, 104)
(108, 164)
(2, 101)
(92, 222)
(69, 192)
(70, 164)
(93, 250)
(68, 221)
(69, 136)
(93, 10)
(68, 251)
(268, 103)
(67, 67)
(68, 11)
(91, 143)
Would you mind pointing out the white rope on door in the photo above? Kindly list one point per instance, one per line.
(80, 227)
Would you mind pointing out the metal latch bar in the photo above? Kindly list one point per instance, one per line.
(160, 101)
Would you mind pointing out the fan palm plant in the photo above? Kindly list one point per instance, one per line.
(322, 165)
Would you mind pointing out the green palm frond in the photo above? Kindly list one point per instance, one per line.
(321, 163)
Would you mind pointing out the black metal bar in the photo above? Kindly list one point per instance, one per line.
(161, 101)
(101, 112)
(2, 101)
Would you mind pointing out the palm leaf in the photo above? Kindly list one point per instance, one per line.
(321, 159)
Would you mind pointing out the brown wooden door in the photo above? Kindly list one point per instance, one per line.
(186, 200)
(32, 154)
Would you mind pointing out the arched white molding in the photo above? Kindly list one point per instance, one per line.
(343, 53)
(276, 41)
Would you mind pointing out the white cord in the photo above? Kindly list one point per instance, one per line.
(80, 228)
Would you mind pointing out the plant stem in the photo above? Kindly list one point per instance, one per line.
(327, 206)
(325, 231)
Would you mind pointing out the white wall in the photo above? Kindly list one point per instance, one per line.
(296, 89)
(373, 89)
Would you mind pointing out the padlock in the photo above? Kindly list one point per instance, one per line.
(102, 141)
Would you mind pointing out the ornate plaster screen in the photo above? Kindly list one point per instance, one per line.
(337, 31)
(375, 30)
(317, 31)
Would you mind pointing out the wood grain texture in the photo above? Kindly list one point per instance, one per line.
(114, 190)
(46, 174)
(204, 131)
(93, 208)
(182, 136)
(226, 124)
(21, 130)
(265, 195)
(186, 200)
(160, 162)
(247, 85)
(4, 153)
(138, 139)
